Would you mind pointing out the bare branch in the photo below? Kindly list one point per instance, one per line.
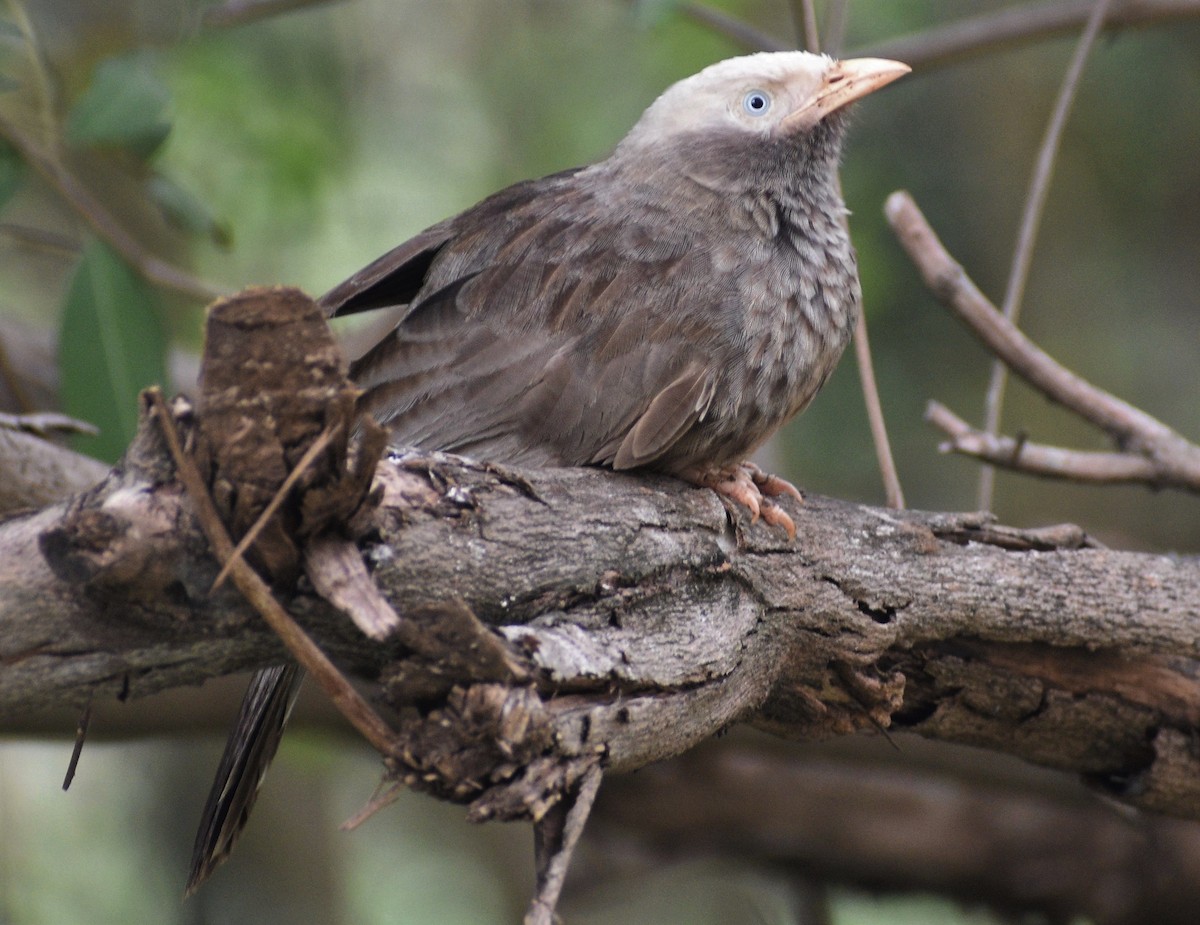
(805, 12)
(987, 33)
(1019, 24)
(879, 435)
(1039, 459)
(241, 12)
(651, 622)
(1176, 461)
(1035, 202)
(740, 32)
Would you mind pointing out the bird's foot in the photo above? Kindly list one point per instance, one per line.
(753, 489)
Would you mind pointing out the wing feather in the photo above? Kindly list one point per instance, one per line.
(540, 333)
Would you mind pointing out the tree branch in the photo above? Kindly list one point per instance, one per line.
(1174, 461)
(1018, 24)
(1031, 219)
(652, 622)
(1038, 459)
(986, 33)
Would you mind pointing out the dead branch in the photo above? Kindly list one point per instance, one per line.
(1020, 24)
(651, 621)
(38, 472)
(1031, 219)
(1155, 452)
(989, 32)
(1037, 458)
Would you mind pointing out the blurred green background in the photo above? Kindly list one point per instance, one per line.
(296, 148)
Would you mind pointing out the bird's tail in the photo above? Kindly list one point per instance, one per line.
(248, 753)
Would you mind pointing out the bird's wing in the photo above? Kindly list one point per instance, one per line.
(393, 279)
(546, 331)
(401, 273)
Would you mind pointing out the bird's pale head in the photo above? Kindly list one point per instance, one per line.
(772, 95)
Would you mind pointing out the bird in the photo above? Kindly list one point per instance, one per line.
(667, 308)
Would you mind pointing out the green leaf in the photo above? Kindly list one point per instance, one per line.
(124, 107)
(111, 346)
(12, 172)
(186, 211)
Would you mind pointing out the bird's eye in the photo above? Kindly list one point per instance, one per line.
(756, 102)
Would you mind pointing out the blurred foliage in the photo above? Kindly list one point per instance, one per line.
(124, 106)
(110, 347)
(297, 148)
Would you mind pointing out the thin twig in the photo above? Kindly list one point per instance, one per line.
(46, 423)
(555, 836)
(380, 800)
(1039, 459)
(1020, 23)
(1031, 220)
(740, 32)
(81, 731)
(1177, 461)
(241, 12)
(879, 436)
(862, 345)
(351, 704)
(277, 499)
(40, 239)
(47, 105)
(103, 222)
(835, 27)
(811, 35)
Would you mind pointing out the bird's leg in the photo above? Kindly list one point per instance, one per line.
(753, 489)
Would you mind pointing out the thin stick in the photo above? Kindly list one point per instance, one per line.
(1031, 219)
(1017, 24)
(241, 12)
(81, 731)
(808, 22)
(742, 33)
(862, 343)
(1177, 460)
(835, 27)
(555, 836)
(351, 704)
(879, 435)
(301, 467)
(1038, 459)
(862, 347)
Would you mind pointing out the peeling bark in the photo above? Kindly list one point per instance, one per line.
(648, 620)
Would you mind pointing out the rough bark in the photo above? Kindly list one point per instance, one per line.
(648, 620)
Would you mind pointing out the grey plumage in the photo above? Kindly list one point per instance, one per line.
(669, 307)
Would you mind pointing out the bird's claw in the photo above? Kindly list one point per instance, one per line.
(772, 486)
(753, 489)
